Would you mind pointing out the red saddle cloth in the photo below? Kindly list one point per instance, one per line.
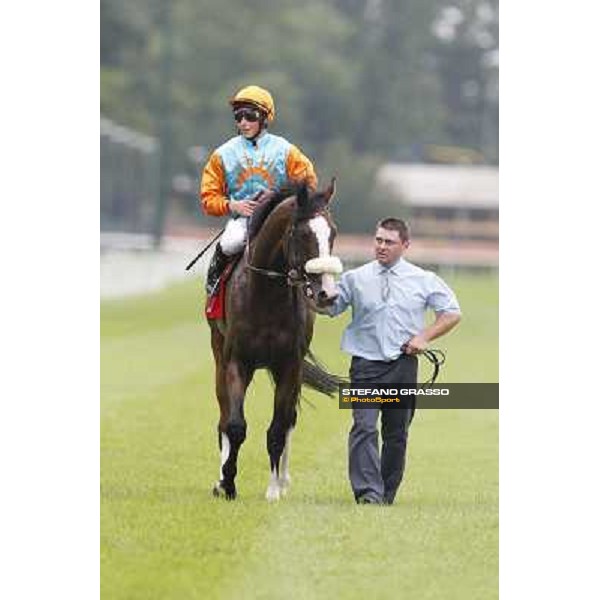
(215, 303)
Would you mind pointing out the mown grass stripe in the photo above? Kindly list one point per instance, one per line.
(165, 536)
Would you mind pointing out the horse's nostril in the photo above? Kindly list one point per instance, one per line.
(324, 298)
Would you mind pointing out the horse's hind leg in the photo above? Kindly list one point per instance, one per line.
(287, 390)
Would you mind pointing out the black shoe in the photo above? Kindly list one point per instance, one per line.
(215, 270)
(367, 500)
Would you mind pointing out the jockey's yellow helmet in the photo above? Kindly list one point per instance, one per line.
(258, 97)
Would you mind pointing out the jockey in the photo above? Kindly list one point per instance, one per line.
(239, 171)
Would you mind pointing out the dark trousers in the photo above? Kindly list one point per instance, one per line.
(376, 477)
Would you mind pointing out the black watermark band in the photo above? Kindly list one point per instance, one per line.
(402, 395)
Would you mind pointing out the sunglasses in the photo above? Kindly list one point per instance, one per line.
(386, 242)
(250, 114)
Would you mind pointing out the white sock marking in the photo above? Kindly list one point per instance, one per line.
(273, 491)
(225, 449)
(284, 477)
(278, 486)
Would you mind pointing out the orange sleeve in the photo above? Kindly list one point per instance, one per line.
(300, 168)
(213, 194)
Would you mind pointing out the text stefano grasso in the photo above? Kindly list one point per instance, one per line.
(383, 392)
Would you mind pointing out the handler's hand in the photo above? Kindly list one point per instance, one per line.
(242, 207)
(416, 345)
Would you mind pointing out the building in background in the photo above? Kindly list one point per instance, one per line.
(451, 202)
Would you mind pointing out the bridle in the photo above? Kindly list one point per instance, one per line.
(295, 274)
(292, 277)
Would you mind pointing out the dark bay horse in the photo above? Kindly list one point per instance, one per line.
(285, 275)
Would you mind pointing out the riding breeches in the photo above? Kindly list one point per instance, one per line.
(234, 236)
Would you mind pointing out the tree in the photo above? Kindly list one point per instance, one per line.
(359, 80)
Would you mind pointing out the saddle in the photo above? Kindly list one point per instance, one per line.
(215, 302)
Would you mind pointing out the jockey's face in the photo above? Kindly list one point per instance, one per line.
(389, 246)
(244, 118)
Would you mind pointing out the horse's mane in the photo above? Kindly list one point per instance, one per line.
(313, 203)
(263, 211)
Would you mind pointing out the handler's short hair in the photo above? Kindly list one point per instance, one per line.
(394, 224)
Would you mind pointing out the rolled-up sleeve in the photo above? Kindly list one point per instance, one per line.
(440, 297)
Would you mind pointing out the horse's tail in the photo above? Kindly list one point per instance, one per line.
(316, 377)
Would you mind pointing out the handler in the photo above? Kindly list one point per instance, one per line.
(389, 298)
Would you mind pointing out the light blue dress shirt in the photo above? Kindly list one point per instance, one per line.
(380, 327)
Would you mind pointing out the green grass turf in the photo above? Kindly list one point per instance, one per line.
(164, 536)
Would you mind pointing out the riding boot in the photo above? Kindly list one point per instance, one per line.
(215, 270)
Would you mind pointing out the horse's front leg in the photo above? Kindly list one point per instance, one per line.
(234, 379)
(217, 342)
(279, 435)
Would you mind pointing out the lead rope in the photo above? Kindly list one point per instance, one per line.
(437, 358)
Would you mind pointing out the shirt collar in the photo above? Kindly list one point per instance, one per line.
(259, 140)
(395, 268)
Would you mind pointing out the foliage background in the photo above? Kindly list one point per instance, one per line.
(357, 82)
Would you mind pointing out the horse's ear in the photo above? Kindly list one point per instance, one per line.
(330, 191)
(302, 197)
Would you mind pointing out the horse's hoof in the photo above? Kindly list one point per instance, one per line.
(273, 493)
(218, 490)
(284, 485)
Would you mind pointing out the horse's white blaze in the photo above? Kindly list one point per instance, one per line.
(328, 285)
(225, 449)
(322, 231)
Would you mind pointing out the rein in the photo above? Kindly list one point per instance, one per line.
(292, 277)
(295, 275)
